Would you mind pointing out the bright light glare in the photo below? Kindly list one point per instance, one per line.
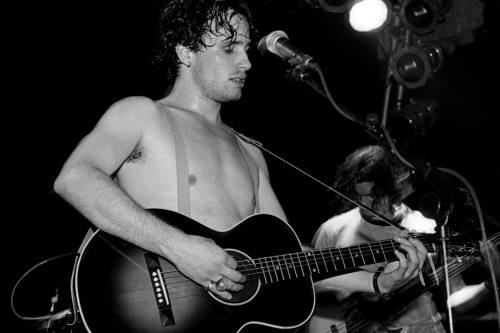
(413, 220)
(368, 15)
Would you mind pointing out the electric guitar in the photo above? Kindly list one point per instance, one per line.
(123, 288)
(356, 315)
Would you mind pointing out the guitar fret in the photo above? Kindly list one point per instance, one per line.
(338, 258)
(361, 254)
(307, 254)
(274, 270)
(357, 255)
(287, 266)
(379, 253)
(293, 265)
(263, 271)
(324, 261)
(333, 259)
(300, 264)
(280, 268)
(393, 247)
(313, 254)
(371, 251)
(351, 256)
(342, 257)
(268, 270)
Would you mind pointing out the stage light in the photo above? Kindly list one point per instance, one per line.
(421, 16)
(414, 119)
(369, 15)
(413, 66)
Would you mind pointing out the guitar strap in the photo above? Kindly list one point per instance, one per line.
(183, 198)
(255, 178)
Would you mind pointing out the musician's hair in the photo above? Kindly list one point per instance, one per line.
(186, 22)
(391, 179)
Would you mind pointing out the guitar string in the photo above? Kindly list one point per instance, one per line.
(283, 261)
(198, 289)
(353, 325)
(261, 265)
(182, 290)
(455, 268)
(250, 276)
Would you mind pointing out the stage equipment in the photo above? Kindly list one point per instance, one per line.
(363, 15)
(370, 15)
(413, 119)
(277, 43)
(421, 16)
(414, 65)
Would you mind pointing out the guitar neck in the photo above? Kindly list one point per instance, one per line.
(327, 261)
(456, 267)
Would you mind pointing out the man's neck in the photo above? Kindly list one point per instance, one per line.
(188, 99)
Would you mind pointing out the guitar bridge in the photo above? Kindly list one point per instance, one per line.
(160, 290)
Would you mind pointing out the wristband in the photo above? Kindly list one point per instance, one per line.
(375, 280)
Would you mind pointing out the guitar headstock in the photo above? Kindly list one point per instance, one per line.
(459, 245)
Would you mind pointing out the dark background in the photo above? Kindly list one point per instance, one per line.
(66, 62)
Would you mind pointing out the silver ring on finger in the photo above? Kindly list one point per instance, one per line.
(220, 285)
(210, 285)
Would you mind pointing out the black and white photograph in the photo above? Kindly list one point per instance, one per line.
(306, 166)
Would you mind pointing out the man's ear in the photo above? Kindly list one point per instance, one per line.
(184, 55)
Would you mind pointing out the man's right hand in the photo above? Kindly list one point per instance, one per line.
(206, 263)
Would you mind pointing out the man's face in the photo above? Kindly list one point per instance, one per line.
(219, 71)
(382, 206)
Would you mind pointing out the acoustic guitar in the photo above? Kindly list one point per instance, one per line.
(123, 288)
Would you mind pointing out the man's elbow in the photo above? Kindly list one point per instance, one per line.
(65, 181)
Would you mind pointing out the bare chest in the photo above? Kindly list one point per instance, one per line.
(220, 177)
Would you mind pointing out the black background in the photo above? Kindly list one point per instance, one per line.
(66, 62)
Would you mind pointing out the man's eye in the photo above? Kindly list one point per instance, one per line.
(229, 49)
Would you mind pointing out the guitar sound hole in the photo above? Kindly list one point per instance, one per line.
(251, 285)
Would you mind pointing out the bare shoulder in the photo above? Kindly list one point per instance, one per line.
(133, 108)
(130, 116)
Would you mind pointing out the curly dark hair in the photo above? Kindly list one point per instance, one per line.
(391, 178)
(186, 22)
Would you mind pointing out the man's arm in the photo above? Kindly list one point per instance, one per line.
(85, 182)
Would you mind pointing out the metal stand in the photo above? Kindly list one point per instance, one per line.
(444, 253)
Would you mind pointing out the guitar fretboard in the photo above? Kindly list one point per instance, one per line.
(322, 261)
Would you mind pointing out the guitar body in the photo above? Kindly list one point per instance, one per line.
(359, 317)
(116, 293)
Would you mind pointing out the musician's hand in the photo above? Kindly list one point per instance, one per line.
(401, 272)
(206, 263)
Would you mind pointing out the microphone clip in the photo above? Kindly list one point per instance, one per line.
(300, 72)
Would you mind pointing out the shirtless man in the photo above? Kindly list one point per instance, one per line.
(127, 163)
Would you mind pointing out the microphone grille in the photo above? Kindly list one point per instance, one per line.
(267, 43)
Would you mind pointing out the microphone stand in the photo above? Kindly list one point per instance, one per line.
(301, 73)
(445, 237)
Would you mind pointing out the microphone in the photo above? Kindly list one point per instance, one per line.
(277, 42)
